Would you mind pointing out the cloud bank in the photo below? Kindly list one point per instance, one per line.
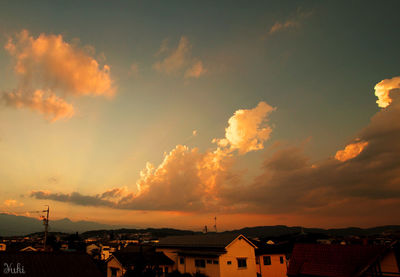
(47, 65)
(187, 179)
(360, 180)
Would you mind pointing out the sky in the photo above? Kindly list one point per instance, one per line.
(171, 113)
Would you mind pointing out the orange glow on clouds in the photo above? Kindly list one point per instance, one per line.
(47, 65)
(46, 103)
(247, 130)
(382, 91)
(350, 151)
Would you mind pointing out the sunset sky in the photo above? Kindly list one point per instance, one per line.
(168, 113)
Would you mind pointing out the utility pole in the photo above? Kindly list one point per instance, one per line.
(46, 225)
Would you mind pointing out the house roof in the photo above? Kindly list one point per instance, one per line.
(265, 249)
(43, 264)
(128, 259)
(332, 260)
(199, 241)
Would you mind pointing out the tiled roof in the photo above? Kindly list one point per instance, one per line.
(42, 264)
(331, 260)
(198, 241)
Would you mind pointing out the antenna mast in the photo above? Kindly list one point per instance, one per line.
(46, 226)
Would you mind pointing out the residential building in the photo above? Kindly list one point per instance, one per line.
(342, 260)
(124, 262)
(271, 260)
(216, 255)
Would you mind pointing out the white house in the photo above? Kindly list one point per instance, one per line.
(216, 255)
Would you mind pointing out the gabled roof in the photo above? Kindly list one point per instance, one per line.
(332, 260)
(199, 241)
(43, 264)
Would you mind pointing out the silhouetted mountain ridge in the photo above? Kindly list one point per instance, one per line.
(13, 225)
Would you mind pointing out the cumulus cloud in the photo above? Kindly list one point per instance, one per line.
(351, 151)
(178, 60)
(363, 175)
(46, 65)
(383, 90)
(248, 129)
(186, 179)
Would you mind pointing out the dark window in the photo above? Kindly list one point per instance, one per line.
(200, 263)
(228, 262)
(166, 270)
(267, 260)
(114, 271)
(209, 261)
(257, 260)
(181, 260)
(215, 262)
(242, 263)
(281, 259)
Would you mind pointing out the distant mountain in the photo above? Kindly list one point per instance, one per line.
(282, 230)
(13, 225)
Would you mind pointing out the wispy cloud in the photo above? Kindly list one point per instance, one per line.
(179, 60)
(47, 65)
(290, 23)
(12, 203)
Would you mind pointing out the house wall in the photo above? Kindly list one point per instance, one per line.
(115, 264)
(170, 253)
(389, 263)
(239, 248)
(189, 266)
(275, 269)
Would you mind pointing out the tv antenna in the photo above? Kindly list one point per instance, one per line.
(46, 225)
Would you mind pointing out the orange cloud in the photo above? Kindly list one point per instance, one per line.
(11, 203)
(383, 89)
(293, 22)
(196, 70)
(247, 130)
(278, 26)
(351, 151)
(46, 103)
(48, 63)
(179, 60)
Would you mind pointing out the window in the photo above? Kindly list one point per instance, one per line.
(209, 261)
(200, 263)
(181, 260)
(215, 262)
(257, 259)
(267, 260)
(114, 271)
(281, 259)
(228, 262)
(242, 263)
